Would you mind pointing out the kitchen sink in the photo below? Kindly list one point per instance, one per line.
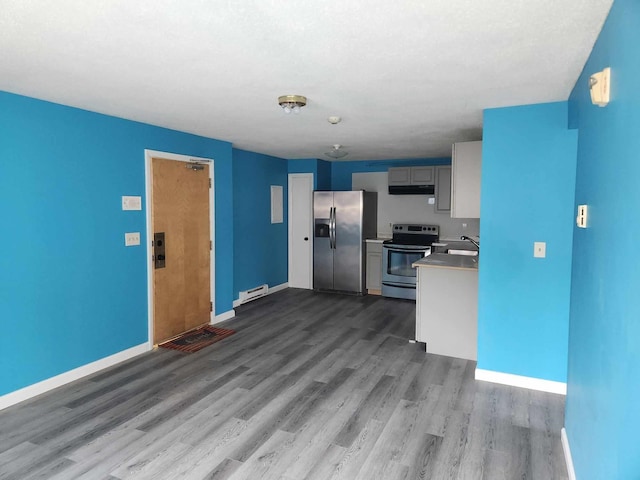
(470, 253)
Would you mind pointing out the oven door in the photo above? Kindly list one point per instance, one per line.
(397, 261)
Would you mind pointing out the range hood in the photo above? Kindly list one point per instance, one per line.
(412, 189)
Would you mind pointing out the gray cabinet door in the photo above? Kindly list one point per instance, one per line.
(399, 176)
(347, 256)
(411, 175)
(422, 175)
(374, 266)
(466, 165)
(443, 188)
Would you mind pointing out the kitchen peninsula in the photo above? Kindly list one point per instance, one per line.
(447, 304)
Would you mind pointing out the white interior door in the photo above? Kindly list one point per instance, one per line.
(300, 231)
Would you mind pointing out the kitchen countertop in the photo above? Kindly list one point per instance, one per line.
(444, 242)
(456, 244)
(445, 260)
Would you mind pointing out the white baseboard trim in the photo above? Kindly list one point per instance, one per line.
(567, 454)
(277, 288)
(522, 382)
(223, 316)
(72, 375)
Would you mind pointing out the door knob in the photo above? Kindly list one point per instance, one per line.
(306, 239)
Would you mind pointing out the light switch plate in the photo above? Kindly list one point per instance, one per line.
(131, 239)
(131, 203)
(581, 219)
(539, 249)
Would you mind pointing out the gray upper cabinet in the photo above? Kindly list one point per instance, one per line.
(466, 163)
(400, 176)
(443, 188)
(411, 175)
(422, 175)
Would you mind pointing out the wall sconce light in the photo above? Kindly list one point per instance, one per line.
(600, 87)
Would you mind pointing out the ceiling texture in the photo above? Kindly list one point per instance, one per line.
(408, 78)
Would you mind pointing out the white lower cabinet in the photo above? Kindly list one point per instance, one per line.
(374, 268)
(447, 311)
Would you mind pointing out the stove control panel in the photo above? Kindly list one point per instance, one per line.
(413, 228)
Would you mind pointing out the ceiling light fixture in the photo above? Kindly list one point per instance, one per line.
(292, 103)
(337, 152)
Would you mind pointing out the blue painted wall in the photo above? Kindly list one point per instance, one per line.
(260, 249)
(602, 410)
(341, 171)
(70, 292)
(528, 178)
(321, 171)
(324, 175)
(305, 165)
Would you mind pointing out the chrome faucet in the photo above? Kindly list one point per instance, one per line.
(477, 244)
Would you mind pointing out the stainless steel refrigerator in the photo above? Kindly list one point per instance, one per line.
(342, 222)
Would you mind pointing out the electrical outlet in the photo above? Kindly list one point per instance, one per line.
(539, 249)
(131, 239)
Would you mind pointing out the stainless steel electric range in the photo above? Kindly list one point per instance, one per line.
(410, 243)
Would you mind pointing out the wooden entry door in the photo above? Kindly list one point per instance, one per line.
(180, 209)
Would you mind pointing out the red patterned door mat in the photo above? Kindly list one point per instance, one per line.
(197, 339)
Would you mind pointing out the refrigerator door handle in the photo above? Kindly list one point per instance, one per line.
(335, 228)
(332, 228)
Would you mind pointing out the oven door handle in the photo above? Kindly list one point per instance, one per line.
(399, 285)
(399, 249)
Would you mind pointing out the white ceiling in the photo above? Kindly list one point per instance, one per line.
(408, 77)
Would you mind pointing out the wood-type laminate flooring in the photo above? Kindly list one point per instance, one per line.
(312, 386)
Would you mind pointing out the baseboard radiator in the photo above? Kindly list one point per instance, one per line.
(252, 294)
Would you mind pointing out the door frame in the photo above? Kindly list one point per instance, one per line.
(148, 201)
(290, 224)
